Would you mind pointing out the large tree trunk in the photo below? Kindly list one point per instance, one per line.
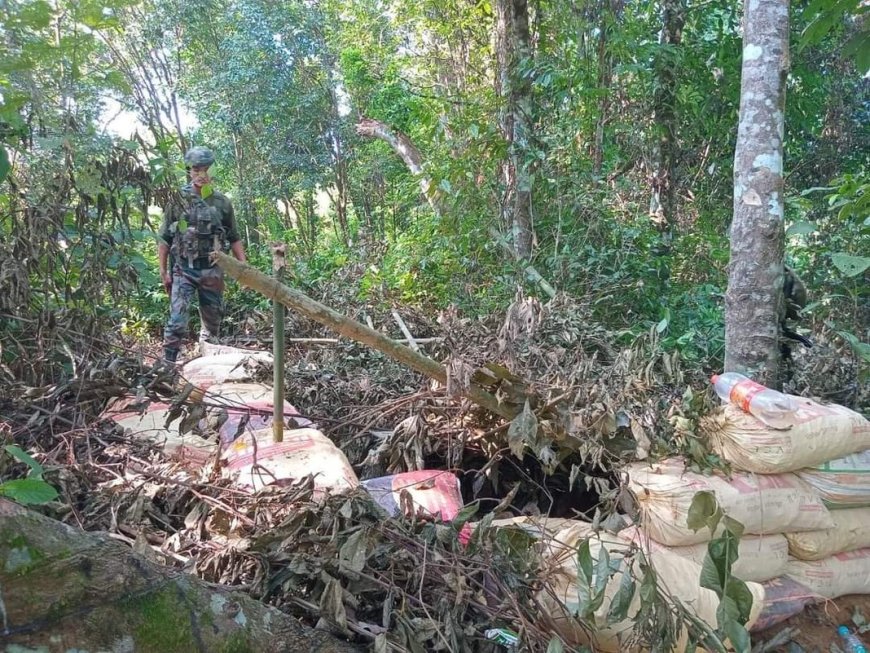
(64, 590)
(753, 302)
(512, 47)
(662, 205)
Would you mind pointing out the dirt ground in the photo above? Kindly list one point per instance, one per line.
(815, 629)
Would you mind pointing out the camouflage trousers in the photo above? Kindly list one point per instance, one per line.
(208, 284)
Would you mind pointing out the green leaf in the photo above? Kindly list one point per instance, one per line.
(4, 163)
(861, 349)
(738, 635)
(733, 526)
(622, 599)
(19, 454)
(587, 601)
(704, 511)
(555, 646)
(800, 227)
(662, 325)
(850, 266)
(739, 593)
(28, 491)
(206, 191)
(465, 514)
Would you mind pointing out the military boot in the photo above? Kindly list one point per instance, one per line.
(170, 355)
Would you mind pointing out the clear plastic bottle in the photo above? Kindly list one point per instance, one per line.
(855, 645)
(770, 406)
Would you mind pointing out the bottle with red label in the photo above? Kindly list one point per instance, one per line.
(773, 408)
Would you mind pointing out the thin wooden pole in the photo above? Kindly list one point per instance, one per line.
(279, 261)
(350, 328)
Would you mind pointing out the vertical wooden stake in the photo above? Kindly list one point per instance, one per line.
(279, 261)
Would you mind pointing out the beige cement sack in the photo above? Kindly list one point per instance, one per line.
(839, 575)
(150, 424)
(206, 371)
(851, 531)
(842, 483)
(759, 557)
(677, 576)
(820, 433)
(765, 505)
(255, 461)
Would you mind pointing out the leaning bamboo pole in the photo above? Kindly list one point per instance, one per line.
(273, 289)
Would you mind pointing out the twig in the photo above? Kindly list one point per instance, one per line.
(352, 625)
(411, 342)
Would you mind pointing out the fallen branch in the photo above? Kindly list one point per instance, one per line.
(252, 278)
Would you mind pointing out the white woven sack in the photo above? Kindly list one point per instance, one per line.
(839, 575)
(842, 483)
(819, 433)
(851, 531)
(759, 557)
(765, 505)
(677, 576)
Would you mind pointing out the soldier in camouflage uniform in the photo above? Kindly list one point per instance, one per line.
(201, 222)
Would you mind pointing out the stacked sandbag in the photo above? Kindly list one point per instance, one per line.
(235, 407)
(254, 460)
(768, 507)
(818, 434)
(759, 557)
(842, 483)
(677, 577)
(205, 371)
(765, 505)
(828, 448)
(851, 531)
(148, 422)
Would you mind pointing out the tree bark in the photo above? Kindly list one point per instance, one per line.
(408, 152)
(662, 204)
(350, 328)
(754, 302)
(605, 79)
(512, 47)
(62, 589)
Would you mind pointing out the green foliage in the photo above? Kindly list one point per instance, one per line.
(32, 489)
(735, 599)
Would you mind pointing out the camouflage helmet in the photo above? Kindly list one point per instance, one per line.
(198, 156)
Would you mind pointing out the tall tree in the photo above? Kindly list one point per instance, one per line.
(754, 301)
(513, 51)
(661, 205)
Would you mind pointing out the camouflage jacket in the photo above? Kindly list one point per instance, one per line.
(193, 226)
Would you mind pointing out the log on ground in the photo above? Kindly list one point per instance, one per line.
(62, 589)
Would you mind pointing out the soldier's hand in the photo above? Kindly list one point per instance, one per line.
(167, 283)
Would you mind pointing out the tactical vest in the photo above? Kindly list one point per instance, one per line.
(198, 232)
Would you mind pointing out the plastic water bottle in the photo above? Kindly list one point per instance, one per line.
(852, 640)
(771, 407)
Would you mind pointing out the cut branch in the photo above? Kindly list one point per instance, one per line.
(350, 328)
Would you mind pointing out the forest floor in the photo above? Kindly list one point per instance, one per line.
(618, 398)
(815, 629)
